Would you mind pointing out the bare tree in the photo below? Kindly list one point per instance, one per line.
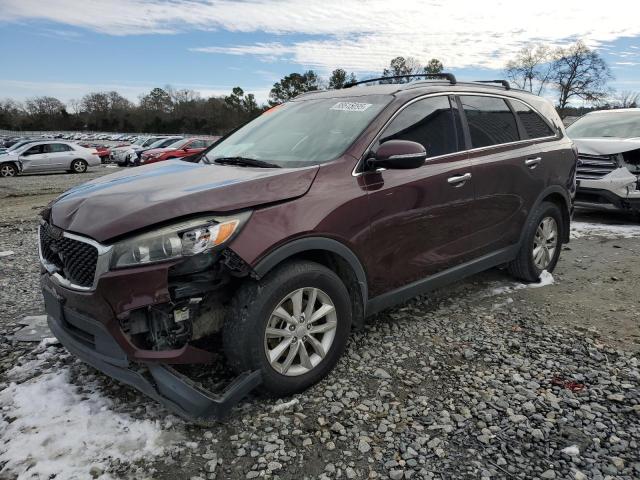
(44, 106)
(627, 99)
(531, 64)
(400, 66)
(75, 106)
(579, 72)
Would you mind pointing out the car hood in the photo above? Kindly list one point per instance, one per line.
(606, 146)
(121, 148)
(127, 201)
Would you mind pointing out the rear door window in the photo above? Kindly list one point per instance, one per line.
(430, 122)
(490, 121)
(534, 125)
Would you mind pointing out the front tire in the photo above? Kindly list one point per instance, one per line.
(293, 326)
(8, 170)
(79, 166)
(540, 249)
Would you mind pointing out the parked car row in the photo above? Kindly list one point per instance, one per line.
(91, 136)
(155, 149)
(47, 156)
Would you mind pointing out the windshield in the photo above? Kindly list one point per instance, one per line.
(150, 142)
(16, 146)
(301, 133)
(139, 141)
(620, 125)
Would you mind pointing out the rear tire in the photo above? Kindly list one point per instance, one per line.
(79, 166)
(293, 346)
(8, 170)
(541, 243)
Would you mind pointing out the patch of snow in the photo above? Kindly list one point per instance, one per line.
(6, 253)
(57, 431)
(49, 341)
(545, 279)
(573, 450)
(585, 229)
(281, 407)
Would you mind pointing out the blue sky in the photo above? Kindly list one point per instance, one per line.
(67, 48)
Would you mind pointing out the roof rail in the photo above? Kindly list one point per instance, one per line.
(446, 76)
(504, 83)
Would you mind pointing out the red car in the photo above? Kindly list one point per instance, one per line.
(182, 148)
(103, 151)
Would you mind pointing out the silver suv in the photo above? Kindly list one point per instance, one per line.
(608, 174)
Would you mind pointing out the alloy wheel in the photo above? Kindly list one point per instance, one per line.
(300, 331)
(7, 171)
(79, 167)
(545, 242)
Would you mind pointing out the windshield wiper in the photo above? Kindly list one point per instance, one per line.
(248, 162)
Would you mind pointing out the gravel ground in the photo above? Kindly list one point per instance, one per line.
(484, 379)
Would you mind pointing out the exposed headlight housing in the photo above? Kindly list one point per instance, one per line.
(185, 239)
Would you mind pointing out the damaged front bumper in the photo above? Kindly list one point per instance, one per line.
(92, 342)
(618, 189)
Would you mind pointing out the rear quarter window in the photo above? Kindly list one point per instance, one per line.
(534, 125)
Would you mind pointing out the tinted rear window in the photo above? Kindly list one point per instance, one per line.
(534, 125)
(490, 121)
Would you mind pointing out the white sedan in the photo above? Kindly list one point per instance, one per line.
(48, 156)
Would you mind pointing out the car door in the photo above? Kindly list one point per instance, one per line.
(35, 159)
(60, 155)
(505, 167)
(419, 217)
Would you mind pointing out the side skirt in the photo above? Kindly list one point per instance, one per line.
(441, 279)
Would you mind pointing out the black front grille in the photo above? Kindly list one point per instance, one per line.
(594, 167)
(75, 260)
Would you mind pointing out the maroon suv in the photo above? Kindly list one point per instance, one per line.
(292, 230)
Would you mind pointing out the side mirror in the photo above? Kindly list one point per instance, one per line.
(398, 154)
(185, 148)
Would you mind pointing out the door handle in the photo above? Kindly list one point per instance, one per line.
(532, 162)
(459, 180)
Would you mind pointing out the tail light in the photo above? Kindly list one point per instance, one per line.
(95, 152)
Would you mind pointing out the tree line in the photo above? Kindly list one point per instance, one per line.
(573, 73)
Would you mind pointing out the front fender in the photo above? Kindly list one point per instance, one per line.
(300, 245)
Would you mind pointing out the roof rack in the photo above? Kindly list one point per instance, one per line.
(504, 83)
(446, 76)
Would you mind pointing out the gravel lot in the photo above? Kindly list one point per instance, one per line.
(485, 379)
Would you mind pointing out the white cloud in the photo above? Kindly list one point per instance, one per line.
(354, 34)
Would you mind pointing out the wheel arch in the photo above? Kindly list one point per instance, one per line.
(333, 255)
(562, 199)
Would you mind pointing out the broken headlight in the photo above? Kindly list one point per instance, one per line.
(184, 239)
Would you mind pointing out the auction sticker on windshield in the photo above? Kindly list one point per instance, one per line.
(351, 106)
